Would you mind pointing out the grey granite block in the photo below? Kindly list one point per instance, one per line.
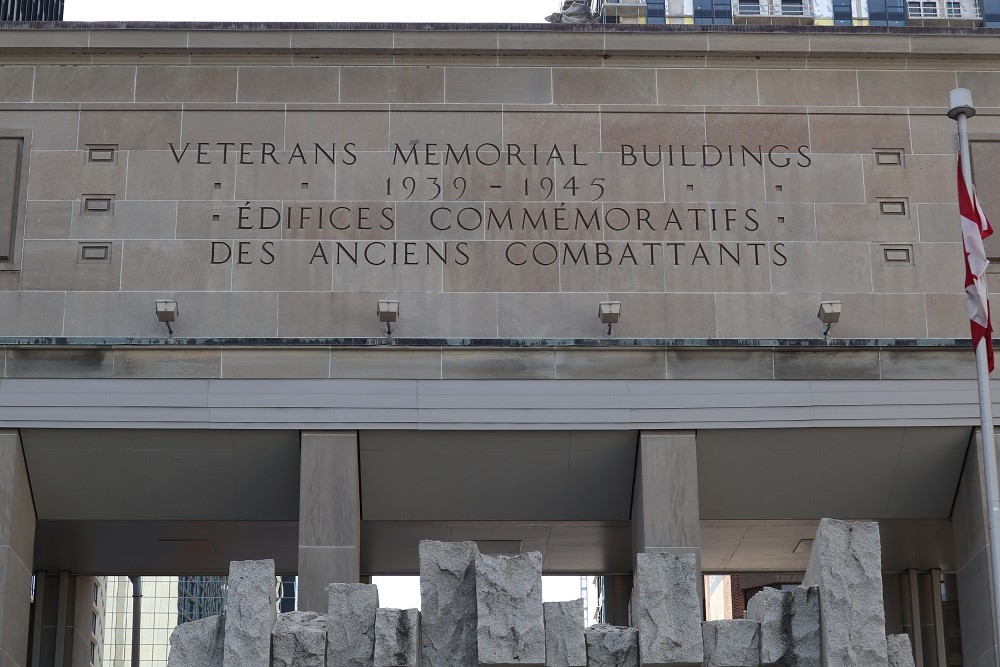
(666, 608)
(900, 651)
(564, 642)
(612, 646)
(299, 640)
(510, 629)
(448, 603)
(789, 626)
(731, 643)
(397, 638)
(250, 613)
(198, 643)
(350, 623)
(846, 564)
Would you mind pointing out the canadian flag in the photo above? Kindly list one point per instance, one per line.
(975, 228)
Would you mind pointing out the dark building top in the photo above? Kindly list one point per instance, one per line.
(31, 10)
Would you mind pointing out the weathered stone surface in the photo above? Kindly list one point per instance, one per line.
(666, 609)
(612, 646)
(448, 603)
(198, 643)
(900, 651)
(299, 640)
(564, 642)
(510, 628)
(250, 613)
(350, 623)
(846, 564)
(397, 638)
(731, 643)
(789, 626)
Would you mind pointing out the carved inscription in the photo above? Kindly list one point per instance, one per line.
(542, 204)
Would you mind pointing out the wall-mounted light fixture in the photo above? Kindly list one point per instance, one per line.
(167, 312)
(829, 314)
(610, 312)
(388, 312)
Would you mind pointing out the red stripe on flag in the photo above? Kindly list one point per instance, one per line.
(975, 228)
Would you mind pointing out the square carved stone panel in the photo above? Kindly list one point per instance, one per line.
(13, 186)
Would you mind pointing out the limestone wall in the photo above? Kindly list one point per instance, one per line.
(499, 184)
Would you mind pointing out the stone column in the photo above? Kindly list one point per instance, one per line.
(329, 515)
(665, 497)
(17, 541)
(972, 561)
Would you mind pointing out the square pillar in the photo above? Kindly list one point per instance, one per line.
(329, 515)
(972, 561)
(17, 541)
(665, 515)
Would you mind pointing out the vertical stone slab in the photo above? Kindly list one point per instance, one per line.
(510, 629)
(972, 559)
(198, 643)
(846, 565)
(665, 514)
(250, 613)
(900, 651)
(299, 640)
(17, 544)
(612, 646)
(448, 603)
(789, 626)
(564, 642)
(329, 515)
(397, 638)
(731, 643)
(666, 609)
(350, 625)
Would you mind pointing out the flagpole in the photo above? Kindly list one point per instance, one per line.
(961, 110)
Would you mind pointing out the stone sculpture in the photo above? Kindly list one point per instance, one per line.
(397, 638)
(789, 626)
(299, 640)
(564, 642)
(251, 613)
(487, 611)
(510, 630)
(448, 603)
(350, 638)
(846, 565)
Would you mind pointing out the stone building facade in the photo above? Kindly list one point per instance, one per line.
(276, 183)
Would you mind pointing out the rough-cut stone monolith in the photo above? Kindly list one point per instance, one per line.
(789, 626)
(510, 630)
(397, 638)
(564, 642)
(448, 603)
(350, 623)
(846, 564)
(250, 613)
(731, 643)
(612, 646)
(198, 643)
(900, 651)
(666, 609)
(299, 640)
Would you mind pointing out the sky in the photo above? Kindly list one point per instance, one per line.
(336, 11)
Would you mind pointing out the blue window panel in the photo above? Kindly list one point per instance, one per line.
(991, 13)
(656, 11)
(714, 12)
(887, 12)
(842, 12)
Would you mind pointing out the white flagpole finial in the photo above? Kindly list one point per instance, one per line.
(960, 102)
